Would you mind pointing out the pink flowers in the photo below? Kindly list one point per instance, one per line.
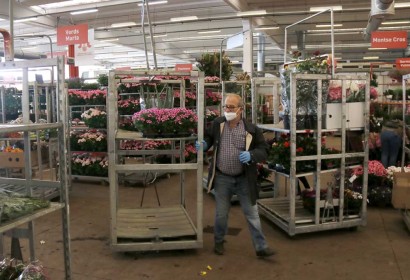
(335, 93)
(211, 79)
(375, 168)
(212, 98)
(165, 120)
(81, 97)
(95, 118)
(128, 106)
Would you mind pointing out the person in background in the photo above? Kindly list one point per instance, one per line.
(237, 146)
(391, 138)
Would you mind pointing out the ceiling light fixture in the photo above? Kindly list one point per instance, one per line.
(123, 24)
(402, 5)
(184, 18)
(154, 3)
(205, 37)
(209, 31)
(109, 40)
(329, 25)
(267, 28)
(84, 12)
(251, 13)
(395, 22)
(26, 19)
(370, 57)
(319, 9)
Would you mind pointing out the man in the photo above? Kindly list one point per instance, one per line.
(237, 146)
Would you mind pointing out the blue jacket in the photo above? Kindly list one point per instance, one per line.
(255, 144)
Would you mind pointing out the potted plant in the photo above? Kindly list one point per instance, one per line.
(165, 122)
(306, 90)
(210, 64)
(128, 106)
(95, 118)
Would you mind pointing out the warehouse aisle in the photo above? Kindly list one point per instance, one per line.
(381, 250)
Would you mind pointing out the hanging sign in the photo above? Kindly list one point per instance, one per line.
(234, 41)
(389, 39)
(403, 62)
(183, 67)
(72, 34)
(84, 53)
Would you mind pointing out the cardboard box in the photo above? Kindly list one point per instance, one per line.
(16, 160)
(401, 190)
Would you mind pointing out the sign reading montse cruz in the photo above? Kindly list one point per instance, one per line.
(72, 34)
(389, 39)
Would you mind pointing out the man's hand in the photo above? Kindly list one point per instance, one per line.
(244, 157)
(198, 145)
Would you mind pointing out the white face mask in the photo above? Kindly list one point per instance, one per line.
(230, 116)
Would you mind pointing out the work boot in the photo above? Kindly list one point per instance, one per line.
(267, 252)
(219, 248)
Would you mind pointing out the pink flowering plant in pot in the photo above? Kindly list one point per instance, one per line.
(89, 97)
(91, 141)
(212, 97)
(379, 187)
(95, 118)
(356, 93)
(128, 106)
(190, 99)
(170, 122)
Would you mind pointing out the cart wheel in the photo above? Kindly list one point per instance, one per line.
(352, 229)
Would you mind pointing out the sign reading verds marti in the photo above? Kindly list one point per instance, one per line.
(72, 35)
(389, 39)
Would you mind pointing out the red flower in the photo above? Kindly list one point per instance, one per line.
(299, 150)
(286, 144)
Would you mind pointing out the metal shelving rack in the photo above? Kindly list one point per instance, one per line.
(405, 150)
(288, 212)
(79, 109)
(263, 88)
(30, 182)
(152, 228)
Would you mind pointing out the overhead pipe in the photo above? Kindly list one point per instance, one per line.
(379, 10)
(8, 50)
(261, 53)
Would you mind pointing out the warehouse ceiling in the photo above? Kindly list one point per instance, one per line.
(184, 41)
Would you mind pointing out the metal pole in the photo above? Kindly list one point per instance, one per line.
(11, 18)
(143, 33)
(152, 38)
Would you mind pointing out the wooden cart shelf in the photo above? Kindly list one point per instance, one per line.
(154, 223)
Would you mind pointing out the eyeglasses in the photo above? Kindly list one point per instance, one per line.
(229, 107)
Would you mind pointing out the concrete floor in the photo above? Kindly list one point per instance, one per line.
(381, 250)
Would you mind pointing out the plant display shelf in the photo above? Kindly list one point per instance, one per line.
(79, 109)
(288, 212)
(39, 186)
(261, 90)
(165, 227)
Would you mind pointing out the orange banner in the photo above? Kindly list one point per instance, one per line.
(403, 62)
(389, 39)
(72, 34)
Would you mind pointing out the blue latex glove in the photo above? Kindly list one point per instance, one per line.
(198, 145)
(244, 157)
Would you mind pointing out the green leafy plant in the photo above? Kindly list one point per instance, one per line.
(103, 80)
(210, 64)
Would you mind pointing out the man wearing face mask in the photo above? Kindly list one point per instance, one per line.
(237, 146)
